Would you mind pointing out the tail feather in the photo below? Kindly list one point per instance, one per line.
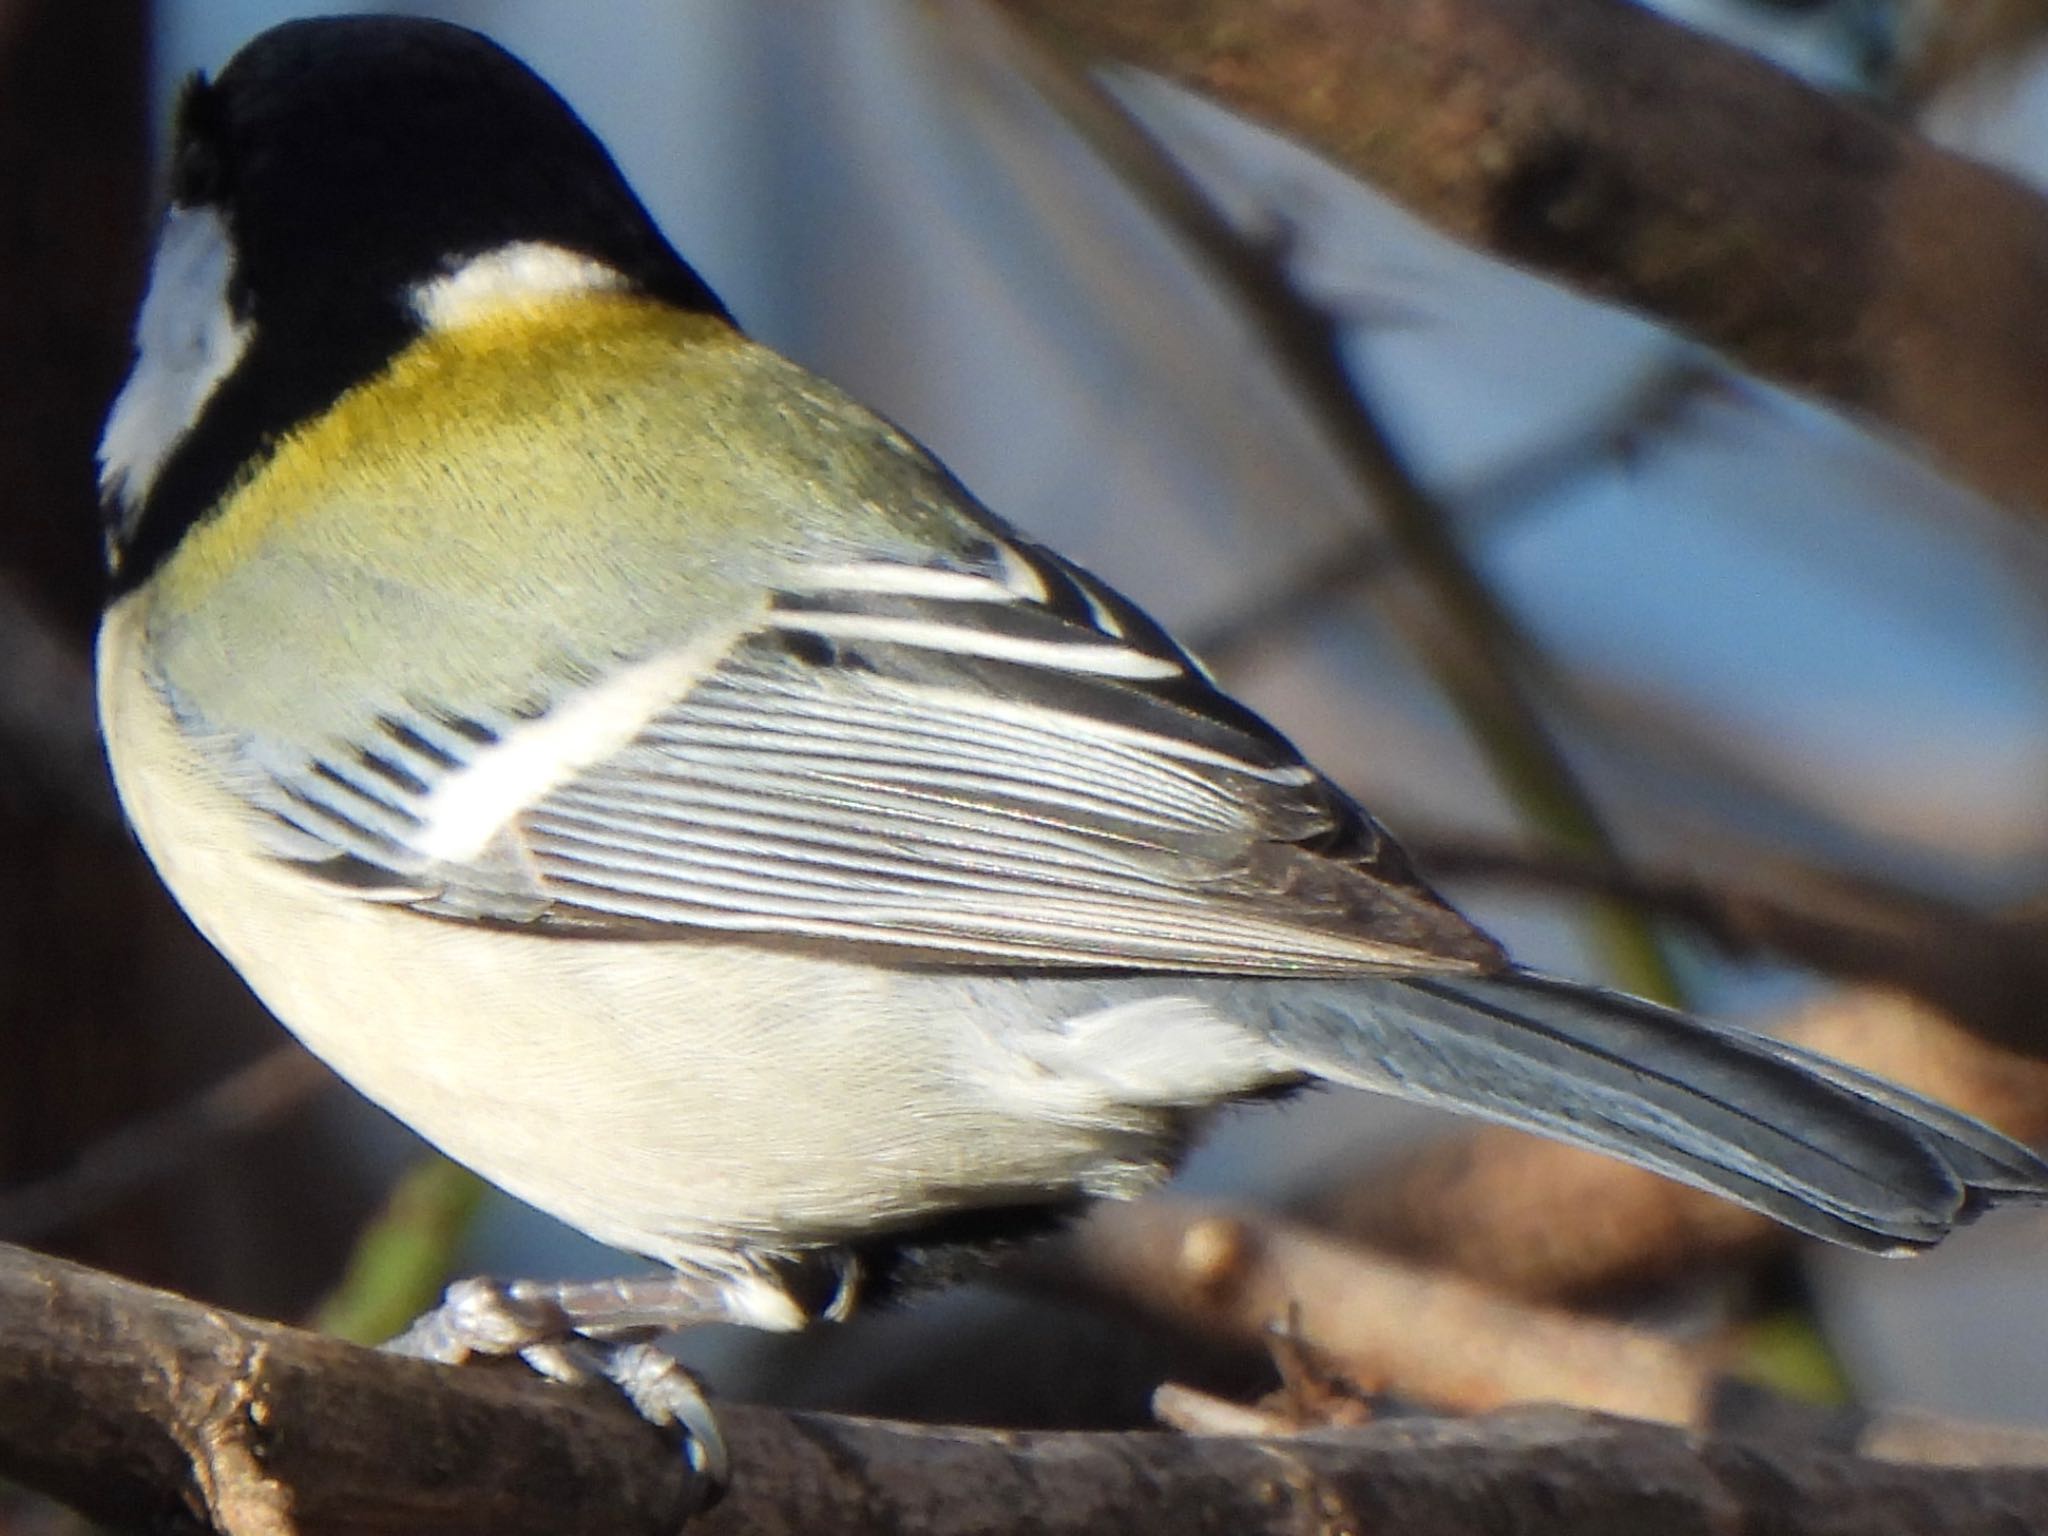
(1818, 1145)
(1991, 1164)
(1984, 1160)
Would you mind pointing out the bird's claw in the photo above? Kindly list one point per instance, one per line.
(484, 1317)
(481, 1317)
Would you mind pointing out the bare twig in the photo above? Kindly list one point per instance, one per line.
(1986, 970)
(1448, 613)
(160, 1145)
(1424, 1334)
(147, 1410)
(1419, 1335)
(1812, 242)
(1200, 1413)
(1356, 564)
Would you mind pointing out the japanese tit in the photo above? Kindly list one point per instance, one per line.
(651, 776)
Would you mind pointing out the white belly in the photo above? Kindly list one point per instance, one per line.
(676, 1098)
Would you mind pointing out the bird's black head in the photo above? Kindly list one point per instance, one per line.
(369, 153)
(334, 168)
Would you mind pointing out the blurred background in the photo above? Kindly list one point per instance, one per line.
(1800, 678)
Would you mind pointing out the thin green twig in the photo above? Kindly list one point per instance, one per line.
(403, 1257)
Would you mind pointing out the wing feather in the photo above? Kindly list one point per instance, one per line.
(1004, 763)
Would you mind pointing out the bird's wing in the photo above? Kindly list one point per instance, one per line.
(992, 759)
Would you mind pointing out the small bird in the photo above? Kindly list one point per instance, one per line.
(654, 778)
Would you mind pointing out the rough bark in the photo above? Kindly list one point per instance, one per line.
(141, 1408)
(1809, 240)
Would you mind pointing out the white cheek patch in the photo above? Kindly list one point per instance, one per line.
(187, 340)
(513, 275)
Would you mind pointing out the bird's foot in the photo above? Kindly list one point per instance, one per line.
(580, 1332)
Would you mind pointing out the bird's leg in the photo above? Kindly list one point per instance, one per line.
(581, 1331)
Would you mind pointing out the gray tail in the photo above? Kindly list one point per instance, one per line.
(1809, 1141)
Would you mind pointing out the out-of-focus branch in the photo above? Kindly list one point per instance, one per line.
(1547, 1222)
(1986, 970)
(1424, 1335)
(159, 1145)
(404, 1257)
(1447, 612)
(1811, 241)
(1356, 564)
(1955, 38)
(146, 1410)
(49, 740)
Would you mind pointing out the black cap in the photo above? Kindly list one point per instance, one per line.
(352, 159)
(370, 153)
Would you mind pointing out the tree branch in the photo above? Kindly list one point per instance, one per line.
(1456, 625)
(145, 1409)
(1342, 1320)
(1986, 970)
(1426, 1335)
(1809, 240)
